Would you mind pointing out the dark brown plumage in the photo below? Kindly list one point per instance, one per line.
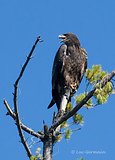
(69, 66)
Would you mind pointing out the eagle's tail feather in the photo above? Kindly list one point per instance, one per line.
(51, 103)
(65, 99)
(64, 102)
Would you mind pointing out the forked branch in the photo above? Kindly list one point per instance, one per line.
(15, 115)
(25, 128)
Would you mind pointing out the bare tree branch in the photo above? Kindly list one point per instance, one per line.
(28, 59)
(12, 114)
(25, 128)
(17, 119)
(63, 118)
(30, 131)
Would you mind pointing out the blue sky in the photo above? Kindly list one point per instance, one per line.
(20, 23)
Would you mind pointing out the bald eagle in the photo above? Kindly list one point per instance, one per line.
(69, 66)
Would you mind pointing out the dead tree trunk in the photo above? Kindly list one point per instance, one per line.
(48, 147)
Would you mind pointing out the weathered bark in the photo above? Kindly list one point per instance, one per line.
(48, 147)
(50, 138)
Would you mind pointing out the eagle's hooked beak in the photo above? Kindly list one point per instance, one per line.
(62, 37)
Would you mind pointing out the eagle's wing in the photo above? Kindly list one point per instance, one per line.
(56, 72)
(58, 65)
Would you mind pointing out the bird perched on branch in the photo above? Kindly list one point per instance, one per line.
(69, 66)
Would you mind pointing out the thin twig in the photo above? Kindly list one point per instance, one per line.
(15, 100)
(33, 142)
(77, 129)
(12, 114)
(30, 131)
(87, 85)
(28, 59)
(104, 81)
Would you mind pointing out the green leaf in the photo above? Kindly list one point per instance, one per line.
(80, 159)
(77, 118)
(101, 75)
(100, 99)
(68, 133)
(95, 74)
(96, 70)
(80, 97)
(58, 138)
(64, 124)
(69, 107)
(88, 73)
(89, 103)
(91, 74)
(101, 96)
(108, 88)
(34, 158)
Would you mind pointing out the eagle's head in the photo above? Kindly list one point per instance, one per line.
(69, 39)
